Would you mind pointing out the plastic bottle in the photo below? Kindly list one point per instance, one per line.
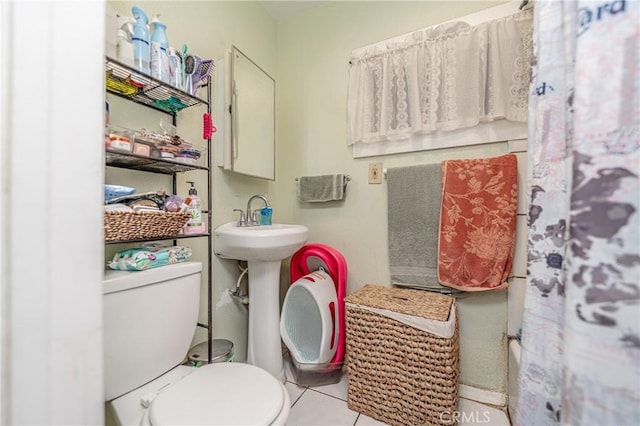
(194, 224)
(265, 215)
(125, 44)
(159, 51)
(141, 51)
(175, 69)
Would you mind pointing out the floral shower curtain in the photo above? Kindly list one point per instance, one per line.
(581, 330)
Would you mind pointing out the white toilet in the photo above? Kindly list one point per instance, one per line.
(149, 320)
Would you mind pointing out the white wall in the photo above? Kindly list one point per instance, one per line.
(51, 215)
(313, 53)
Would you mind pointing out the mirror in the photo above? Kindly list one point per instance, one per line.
(248, 133)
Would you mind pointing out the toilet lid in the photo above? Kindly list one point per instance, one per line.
(221, 393)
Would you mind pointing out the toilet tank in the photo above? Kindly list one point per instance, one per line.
(149, 321)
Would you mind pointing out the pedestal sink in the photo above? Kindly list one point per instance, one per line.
(263, 247)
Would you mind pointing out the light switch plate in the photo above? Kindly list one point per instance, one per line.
(375, 172)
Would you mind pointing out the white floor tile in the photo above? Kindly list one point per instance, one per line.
(326, 406)
(470, 413)
(294, 391)
(315, 408)
(368, 421)
(338, 390)
(474, 413)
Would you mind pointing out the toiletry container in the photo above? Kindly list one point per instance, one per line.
(194, 225)
(141, 50)
(175, 69)
(125, 49)
(159, 51)
(265, 215)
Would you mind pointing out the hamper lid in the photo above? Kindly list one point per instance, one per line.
(420, 303)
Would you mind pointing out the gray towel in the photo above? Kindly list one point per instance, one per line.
(414, 199)
(315, 189)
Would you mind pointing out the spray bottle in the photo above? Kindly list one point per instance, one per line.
(141, 52)
(195, 224)
(159, 51)
(125, 44)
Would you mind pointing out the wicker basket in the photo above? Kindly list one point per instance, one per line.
(125, 226)
(399, 374)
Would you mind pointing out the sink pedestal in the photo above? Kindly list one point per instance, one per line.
(263, 247)
(264, 348)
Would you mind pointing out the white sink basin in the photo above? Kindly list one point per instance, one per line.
(265, 243)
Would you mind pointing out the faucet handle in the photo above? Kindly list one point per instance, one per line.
(243, 218)
(255, 218)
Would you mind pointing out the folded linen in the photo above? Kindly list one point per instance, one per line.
(316, 189)
(477, 222)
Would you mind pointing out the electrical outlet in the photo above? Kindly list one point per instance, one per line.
(375, 172)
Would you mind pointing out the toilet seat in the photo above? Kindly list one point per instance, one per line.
(221, 393)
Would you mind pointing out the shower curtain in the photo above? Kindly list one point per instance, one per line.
(580, 338)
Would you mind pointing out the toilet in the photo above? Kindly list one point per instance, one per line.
(149, 321)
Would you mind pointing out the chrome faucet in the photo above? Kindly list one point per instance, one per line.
(251, 218)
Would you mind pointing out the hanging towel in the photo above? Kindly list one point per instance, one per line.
(414, 195)
(477, 222)
(316, 189)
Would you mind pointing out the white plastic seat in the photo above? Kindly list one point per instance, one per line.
(221, 393)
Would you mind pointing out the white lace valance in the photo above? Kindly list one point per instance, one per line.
(447, 77)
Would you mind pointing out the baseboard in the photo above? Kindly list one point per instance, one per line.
(482, 396)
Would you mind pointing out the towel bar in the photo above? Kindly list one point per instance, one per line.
(346, 178)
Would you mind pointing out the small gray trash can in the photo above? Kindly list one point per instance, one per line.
(221, 351)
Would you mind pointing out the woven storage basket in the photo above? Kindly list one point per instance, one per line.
(399, 374)
(124, 226)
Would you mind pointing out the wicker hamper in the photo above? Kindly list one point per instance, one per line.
(399, 374)
(125, 226)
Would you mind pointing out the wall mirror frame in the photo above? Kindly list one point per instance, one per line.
(247, 108)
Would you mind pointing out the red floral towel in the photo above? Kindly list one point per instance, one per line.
(477, 222)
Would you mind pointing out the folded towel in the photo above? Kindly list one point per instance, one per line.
(315, 189)
(414, 195)
(477, 222)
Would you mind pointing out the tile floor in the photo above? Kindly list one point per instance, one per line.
(327, 406)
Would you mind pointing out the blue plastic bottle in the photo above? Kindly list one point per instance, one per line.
(159, 51)
(140, 39)
(265, 215)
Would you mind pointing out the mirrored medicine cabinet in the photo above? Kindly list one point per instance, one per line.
(246, 116)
